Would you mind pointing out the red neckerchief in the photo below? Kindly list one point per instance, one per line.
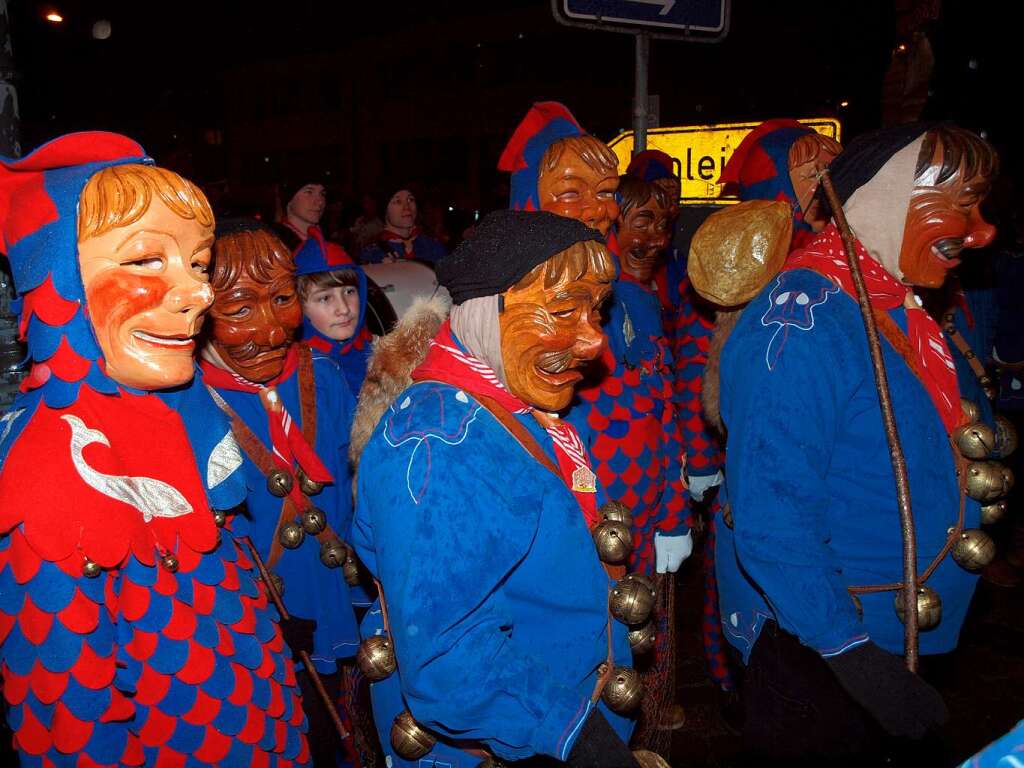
(447, 363)
(826, 256)
(287, 441)
(110, 492)
(394, 237)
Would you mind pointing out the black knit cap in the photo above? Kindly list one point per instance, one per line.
(863, 157)
(503, 249)
(289, 187)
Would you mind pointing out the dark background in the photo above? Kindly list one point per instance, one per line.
(241, 95)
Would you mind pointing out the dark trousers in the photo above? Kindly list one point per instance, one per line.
(325, 747)
(796, 714)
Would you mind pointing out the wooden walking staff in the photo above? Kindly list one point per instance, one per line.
(303, 656)
(892, 437)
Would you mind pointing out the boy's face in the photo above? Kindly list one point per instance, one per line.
(333, 310)
(147, 290)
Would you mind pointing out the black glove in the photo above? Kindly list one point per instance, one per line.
(298, 634)
(599, 746)
(904, 704)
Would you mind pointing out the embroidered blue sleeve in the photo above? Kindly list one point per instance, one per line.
(782, 400)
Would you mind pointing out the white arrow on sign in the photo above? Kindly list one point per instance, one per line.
(666, 5)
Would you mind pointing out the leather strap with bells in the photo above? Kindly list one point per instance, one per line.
(987, 385)
(899, 342)
(261, 457)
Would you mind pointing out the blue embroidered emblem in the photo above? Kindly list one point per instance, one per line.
(424, 416)
(790, 307)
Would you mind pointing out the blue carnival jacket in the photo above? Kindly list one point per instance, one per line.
(810, 483)
(312, 591)
(497, 602)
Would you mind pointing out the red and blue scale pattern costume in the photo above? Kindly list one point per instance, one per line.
(627, 419)
(140, 664)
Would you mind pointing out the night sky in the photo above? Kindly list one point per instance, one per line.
(162, 68)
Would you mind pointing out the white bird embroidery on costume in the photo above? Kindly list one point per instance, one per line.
(152, 497)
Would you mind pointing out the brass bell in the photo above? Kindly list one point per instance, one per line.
(278, 583)
(974, 549)
(313, 521)
(170, 562)
(975, 441)
(613, 540)
(307, 486)
(632, 599)
(727, 515)
(988, 480)
(993, 513)
(623, 692)
(291, 535)
(220, 518)
(376, 658)
(350, 570)
(280, 483)
(409, 739)
(333, 553)
(641, 639)
(1006, 437)
(91, 569)
(616, 510)
(971, 410)
(929, 608)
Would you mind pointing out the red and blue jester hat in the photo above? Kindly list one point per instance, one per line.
(544, 124)
(652, 165)
(759, 168)
(132, 630)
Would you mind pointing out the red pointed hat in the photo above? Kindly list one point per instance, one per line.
(544, 124)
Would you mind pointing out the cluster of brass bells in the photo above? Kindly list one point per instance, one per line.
(409, 739)
(280, 483)
(376, 658)
(973, 549)
(641, 639)
(986, 481)
(631, 600)
(623, 691)
(929, 608)
(333, 553)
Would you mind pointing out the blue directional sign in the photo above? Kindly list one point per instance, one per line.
(704, 17)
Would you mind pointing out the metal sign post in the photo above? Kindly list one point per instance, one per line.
(643, 57)
(703, 21)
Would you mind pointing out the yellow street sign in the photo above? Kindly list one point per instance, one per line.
(702, 151)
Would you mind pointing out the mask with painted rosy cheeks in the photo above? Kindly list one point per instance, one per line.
(954, 173)
(147, 289)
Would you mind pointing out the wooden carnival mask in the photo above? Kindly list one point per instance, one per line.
(550, 324)
(577, 179)
(256, 309)
(643, 227)
(808, 156)
(954, 173)
(146, 282)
